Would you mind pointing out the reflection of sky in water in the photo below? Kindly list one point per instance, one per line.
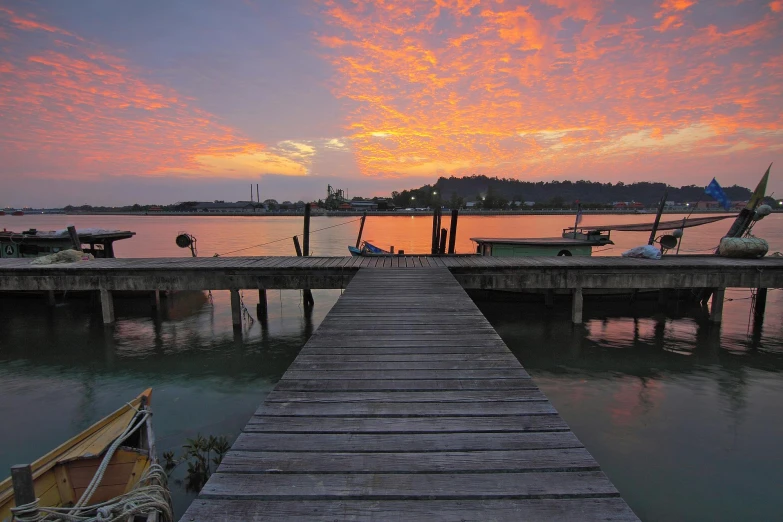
(686, 420)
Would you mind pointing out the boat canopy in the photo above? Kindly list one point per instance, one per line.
(663, 225)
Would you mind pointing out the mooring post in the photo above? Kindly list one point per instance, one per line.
(107, 306)
(23, 486)
(576, 306)
(761, 305)
(435, 230)
(442, 248)
(236, 309)
(297, 247)
(75, 241)
(306, 231)
(716, 310)
(50, 300)
(307, 295)
(453, 230)
(361, 229)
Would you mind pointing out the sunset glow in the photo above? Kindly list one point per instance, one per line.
(672, 90)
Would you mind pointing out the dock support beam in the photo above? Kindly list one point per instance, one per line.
(262, 308)
(50, 300)
(155, 299)
(107, 306)
(236, 309)
(576, 306)
(761, 305)
(716, 310)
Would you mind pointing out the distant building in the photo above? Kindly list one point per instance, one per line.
(363, 205)
(222, 206)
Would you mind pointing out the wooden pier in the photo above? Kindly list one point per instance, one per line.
(574, 274)
(406, 405)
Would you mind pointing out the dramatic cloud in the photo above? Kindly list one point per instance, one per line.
(75, 111)
(556, 86)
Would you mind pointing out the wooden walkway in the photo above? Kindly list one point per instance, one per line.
(406, 405)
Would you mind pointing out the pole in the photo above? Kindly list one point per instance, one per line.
(306, 234)
(258, 198)
(442, 248)
(576, 219)
(251, 192)
(679, 241)
(297, 247)
(658, 218)
(361, 229)
(75, 241)
(434, 242)
(453, 230)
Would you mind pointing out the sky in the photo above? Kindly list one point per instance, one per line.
(111, 102)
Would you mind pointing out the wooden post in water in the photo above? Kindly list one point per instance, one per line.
(236, 309)
(155, 299)
(23, 486)
(306, 232)
(361, 229)
(576, 306)
(50, 299)
(75, 241)
(761, 305)
(107, 306)
(453, 230)
(435, 230)
(306, 293)
(262, 308)
(442, 248)
(716, 310)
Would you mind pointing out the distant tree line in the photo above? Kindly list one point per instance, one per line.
(493, 192)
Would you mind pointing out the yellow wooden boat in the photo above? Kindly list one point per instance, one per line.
(110, 466)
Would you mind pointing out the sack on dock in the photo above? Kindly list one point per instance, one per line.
(64, 256)
(646, 252)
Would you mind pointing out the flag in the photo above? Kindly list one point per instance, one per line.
(714, 190)
(578, 213)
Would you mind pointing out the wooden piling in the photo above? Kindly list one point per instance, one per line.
(23, 486)
(306, 232)
(361, 229)
(453, 230)
(75, 241)
(307, 294)
(50, 299)
(761, 305)
(716, 310)
(236, 308)
(297, 247)
(107, 306)
(435, 229)
(155, 299)
(576, 306)
(442, 246)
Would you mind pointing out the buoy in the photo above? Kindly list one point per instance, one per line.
(748, 247)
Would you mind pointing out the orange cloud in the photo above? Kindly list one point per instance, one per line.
(512, 90)
(78, 111)
(776, 6)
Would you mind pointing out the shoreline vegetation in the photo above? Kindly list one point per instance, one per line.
(393, 213)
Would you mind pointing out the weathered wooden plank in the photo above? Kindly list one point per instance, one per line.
(313, 355)
(410, 409)
(505, 510)
(289, 383)
(299, 365)
(513, 423)
(414, 486)
(558, 460)
(443, 396)
(495, 373)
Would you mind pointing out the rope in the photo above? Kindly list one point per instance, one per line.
(27, 512)
(287, 238)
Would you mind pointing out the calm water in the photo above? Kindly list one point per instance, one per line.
(687, 420)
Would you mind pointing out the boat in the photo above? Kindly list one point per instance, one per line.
(17, 213)
(367, 249)
(2, 212)
(542, 246)
(111, 466)
(36, 243)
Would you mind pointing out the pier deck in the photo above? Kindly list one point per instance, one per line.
(472, 272)
(406, 405)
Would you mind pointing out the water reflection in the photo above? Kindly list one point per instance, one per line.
(684, 415)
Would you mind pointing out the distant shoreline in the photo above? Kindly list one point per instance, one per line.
(381, 213)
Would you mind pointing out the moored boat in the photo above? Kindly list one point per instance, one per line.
(36, 243)
(111, 466)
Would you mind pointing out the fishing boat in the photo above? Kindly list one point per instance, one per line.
(37, 243)
(107, 472)
(17, 213)
(367, 249)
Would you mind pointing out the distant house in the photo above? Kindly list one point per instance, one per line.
(471, 204)
(363, 205)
